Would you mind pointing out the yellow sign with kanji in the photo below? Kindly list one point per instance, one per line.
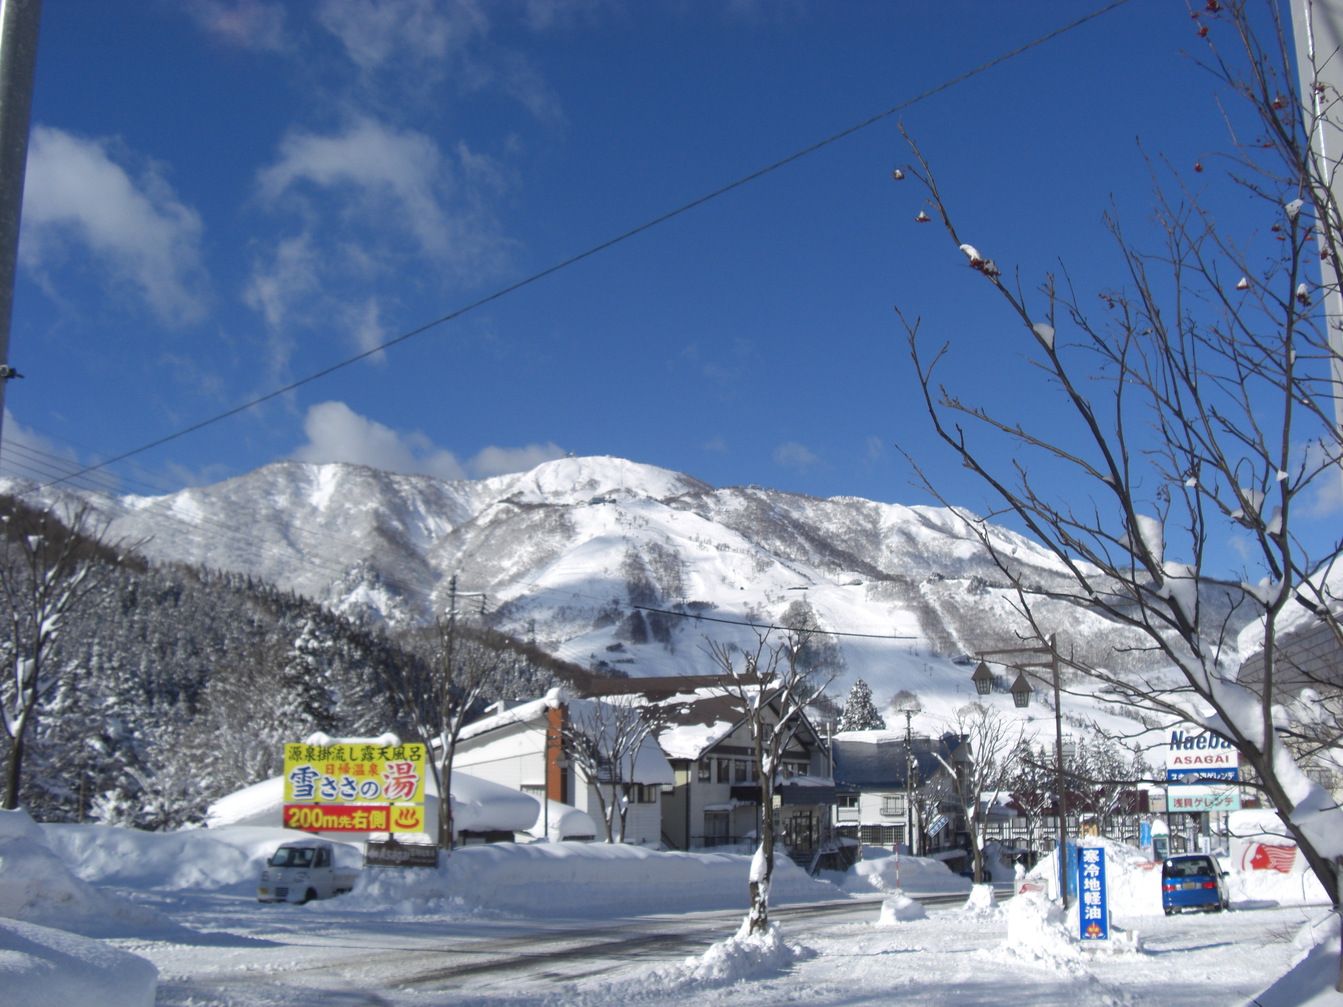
(354, 817)
(354, 773)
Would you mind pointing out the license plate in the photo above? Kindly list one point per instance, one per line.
(1187, 885)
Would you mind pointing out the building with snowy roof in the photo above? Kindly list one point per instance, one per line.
(529, 747)
(715, 798)
(893, 790)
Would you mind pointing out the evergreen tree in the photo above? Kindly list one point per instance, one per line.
(859, 712)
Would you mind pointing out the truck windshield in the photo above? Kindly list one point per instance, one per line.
(292, 856)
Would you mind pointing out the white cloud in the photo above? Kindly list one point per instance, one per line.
(27, 454)
(502, 461)
(378, 169)
(1324, 498)
(139, 233)
(336, 433)
(247, 24)
(282, 284)
(793, 455)
(375, 32)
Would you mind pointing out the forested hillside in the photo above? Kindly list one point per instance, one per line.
(170, 686)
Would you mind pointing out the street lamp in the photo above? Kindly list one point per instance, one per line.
(983, 679)
(1021, 695)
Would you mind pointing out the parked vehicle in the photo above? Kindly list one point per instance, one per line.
(302, 871)
(1193, 882)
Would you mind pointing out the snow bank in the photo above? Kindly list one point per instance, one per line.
(477, 805)
(917, 874)
(1037, 932)
(192, 860)
(38, 886)
(1310, 980)
(1132, 882)
(741, 956)
(574, 879)
(900, 908)
(43, 967)
(982, 903)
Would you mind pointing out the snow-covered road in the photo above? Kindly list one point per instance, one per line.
(286, 957)
(594, 925)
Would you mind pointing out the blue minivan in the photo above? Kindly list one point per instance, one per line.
(1193, 882)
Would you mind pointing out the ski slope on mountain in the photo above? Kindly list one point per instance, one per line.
(620, 567)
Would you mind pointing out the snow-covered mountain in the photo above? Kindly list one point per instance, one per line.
(613, 564)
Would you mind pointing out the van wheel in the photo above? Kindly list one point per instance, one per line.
(1167, 910)
(308, 896)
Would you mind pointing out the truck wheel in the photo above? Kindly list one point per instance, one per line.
(308, 896)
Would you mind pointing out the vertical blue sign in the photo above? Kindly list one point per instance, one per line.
(1093, 910)
(1145, 834)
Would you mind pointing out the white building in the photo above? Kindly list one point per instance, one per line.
(523, 747)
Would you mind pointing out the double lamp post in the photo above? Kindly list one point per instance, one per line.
(1045, 657)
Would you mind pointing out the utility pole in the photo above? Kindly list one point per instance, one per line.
(1317, 31)
(909, 784)
(18, 60)
(446, 712)
(445, 718)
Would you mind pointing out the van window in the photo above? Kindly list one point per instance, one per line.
(1188, 867)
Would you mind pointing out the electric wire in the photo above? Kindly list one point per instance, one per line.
(601, 247)
(49, 469)
(769, 627)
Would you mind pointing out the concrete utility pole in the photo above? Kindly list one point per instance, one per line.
(1317, 30)
(18, 60)
(909, 785)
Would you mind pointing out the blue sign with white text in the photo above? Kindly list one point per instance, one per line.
(1230, 773)
(1093, 910)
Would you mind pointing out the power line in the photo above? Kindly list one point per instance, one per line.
(770, 627)
(595, 249)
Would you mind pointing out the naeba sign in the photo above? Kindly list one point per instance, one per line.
(1203, 756)
(1196, 763)
(354, 787)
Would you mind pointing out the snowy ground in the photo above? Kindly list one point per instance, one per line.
(568, 936)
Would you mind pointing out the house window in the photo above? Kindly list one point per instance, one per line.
(716, 828)
(847, 802)
(724, 770)
(743, 770)
(705, 770)
(645, 794)
(882, 835)
(893, 804)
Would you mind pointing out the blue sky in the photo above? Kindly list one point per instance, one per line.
(227, 196)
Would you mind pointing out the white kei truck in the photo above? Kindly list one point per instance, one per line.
(302, 871)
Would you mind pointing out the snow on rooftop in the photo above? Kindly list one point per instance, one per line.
(477, 806)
